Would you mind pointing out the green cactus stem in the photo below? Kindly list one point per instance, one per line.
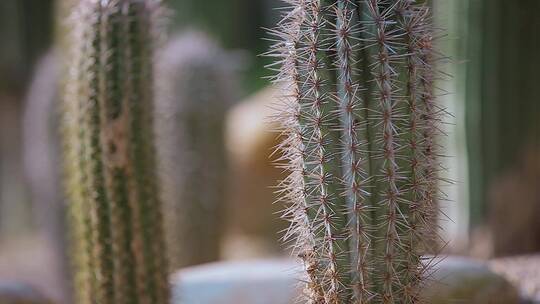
(119, 249)
(361, 124)
(197, 86)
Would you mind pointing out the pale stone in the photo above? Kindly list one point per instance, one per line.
(522, 271)
(455, 280)
(20, 293)
(249, 282)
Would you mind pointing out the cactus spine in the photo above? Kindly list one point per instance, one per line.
(361, 125)
(119, 247)
(196, 88)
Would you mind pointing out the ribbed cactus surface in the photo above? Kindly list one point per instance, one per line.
(196, 88)
(361, 123)
(111, 179)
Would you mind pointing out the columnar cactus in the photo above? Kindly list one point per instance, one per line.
(501, 109)
(118, 239)
(196, 87)
(361, 124)
(42, 164)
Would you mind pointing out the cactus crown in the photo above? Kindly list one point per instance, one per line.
(360, 123)
(118, 242)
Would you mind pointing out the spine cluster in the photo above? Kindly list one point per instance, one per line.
(361, 124)
(110, 164)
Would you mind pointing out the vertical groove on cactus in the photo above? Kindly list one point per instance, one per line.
(197, 87)
(433, 116)
(324, 160)
(353, 171)
(385, 75)
(413, 128)
(414, 21)
(361, 122)
(119, 251)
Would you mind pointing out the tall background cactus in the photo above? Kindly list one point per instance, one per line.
(42, 163)
(502, 114)
(196, 87)
(118, 241)
(361, 124)
(494, 133)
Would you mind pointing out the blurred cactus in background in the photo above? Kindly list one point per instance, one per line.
(196, 86)
(518, 186)
(502, 120)
(111, 181)
(502, 113)
(236, 24)
(42, 162)
(362, 123)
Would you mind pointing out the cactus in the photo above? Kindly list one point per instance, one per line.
(361, 123)
(42, 164)
(116, 214)
(501, 108)
(196, 88)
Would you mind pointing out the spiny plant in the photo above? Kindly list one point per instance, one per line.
(360, 123)
(119, 250)
(499, 132)
(196, 87)
(42, 163)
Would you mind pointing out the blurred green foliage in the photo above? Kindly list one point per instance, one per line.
(25, 30)
(25, 34)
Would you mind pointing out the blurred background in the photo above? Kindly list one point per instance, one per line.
(493, 140)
